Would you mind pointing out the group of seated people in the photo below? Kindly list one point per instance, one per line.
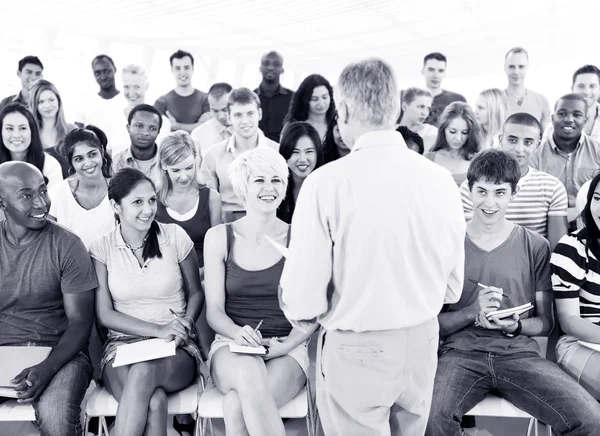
(175, 221)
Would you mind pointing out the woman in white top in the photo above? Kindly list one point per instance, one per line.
(491, 113)
(80, 202)
(416, 105)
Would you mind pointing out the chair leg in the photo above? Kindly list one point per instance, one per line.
(531, 426)
(86, 428)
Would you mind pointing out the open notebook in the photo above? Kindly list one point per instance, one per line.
(142, 351)
(241, 349)
(505, 313)
(16, 359)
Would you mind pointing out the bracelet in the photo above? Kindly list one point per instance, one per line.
(516, 333)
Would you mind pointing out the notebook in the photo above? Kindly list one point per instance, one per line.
(241, 349)
(593, 346)
(505, 313)
(16, 359)
(142, 351)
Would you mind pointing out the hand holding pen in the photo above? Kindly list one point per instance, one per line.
(248, 336)
(180, 329)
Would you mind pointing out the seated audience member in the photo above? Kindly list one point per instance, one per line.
(245, 113)
(540, 203)
(575, 269)
(434, 72)
(518, 98)
(29, 71)
(301, 148)
(80, 203)
(458, 140)
(184, 105)
(182, 200)
(581, 201)
(135, 86)
(21, 142)
(274, 98)
(218, 128)
(242, 280)
(333, 146)
(478, 354)
(586, 82)
(490, 113)
(416, 106)
(313, 103)
(413, 140)
(568, 154)
(145, 270)
(143, 124)
(103, 109)
(47, 288)
(46, 106)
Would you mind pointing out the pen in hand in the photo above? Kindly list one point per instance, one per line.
(258, 326)
(485, 287)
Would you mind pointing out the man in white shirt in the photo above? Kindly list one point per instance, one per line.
(219, 127)
(377, 247)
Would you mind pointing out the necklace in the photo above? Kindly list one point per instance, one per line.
(134, 249)
(519, 100)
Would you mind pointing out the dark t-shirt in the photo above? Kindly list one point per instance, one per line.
(187, 110)
(274, 110)
(439, 104)
(521, 267)
(33, 279)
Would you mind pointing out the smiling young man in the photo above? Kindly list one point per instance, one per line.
(540, 203)
(47, 285)
(29, 71)
(143, 124)
(569, 154)
(184, 105)
(245, 113)
(219, 127)
(480, 355)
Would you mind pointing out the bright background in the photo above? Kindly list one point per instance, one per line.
(228, 37)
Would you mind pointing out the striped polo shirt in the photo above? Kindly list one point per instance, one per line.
(576, 274)
(540, 196)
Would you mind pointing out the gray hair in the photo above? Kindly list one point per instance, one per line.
(369, 90)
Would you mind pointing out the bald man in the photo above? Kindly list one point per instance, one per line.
(47, 285)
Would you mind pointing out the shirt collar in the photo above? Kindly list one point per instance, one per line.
(119, 242)
(129, 156)
(262, 142)
(220, 128)
(280, 90)
(555, 148)
(18, 98)
(379, 138)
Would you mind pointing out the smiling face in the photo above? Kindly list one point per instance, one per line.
(137, 210)
(490, 201)
(183, 70)
(568, 119)
(87, 161)
(319, 101)
(24, 199)
(30, 74)
(303, 160)
(244, 118)
(16, 133)
(457, 133)
(134, 88)
(265, 192)
(417, 111)
(595, 205)
(182, 173)
(588, 86)
(521, 140)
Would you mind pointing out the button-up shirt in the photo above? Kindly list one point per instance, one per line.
(594, 133)
(572, 169)
(215, 168)
(377, 240)
(126, 160)
(209, 134)
(274, 110)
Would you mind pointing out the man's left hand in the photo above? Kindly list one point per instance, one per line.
(32, 382)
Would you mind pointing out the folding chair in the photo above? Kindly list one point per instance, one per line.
(302, 406)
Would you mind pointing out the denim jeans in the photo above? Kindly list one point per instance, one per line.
(58, 409)
(528, 381)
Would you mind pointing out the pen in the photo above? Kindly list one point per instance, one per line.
(176, 316)
(485, 287)
(258, 326)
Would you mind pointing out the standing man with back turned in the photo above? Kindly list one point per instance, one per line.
(377, 272)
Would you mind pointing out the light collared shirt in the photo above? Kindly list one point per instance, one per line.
(594, 134)
(377, 240)
(572, 169)
(209, 134)
(126, 160)
(532, 103)
(215, 166)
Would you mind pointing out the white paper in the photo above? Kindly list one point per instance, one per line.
(505, 313)
(143, 351)
(282, 249)
(241, 349)
(8, 392)
(15, 359)
(591, 345)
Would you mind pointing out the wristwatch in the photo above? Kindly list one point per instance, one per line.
(516, 333)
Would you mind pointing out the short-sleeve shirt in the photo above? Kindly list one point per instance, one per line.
(33, 279)
(532, 103)
(145, 292)
(540, 196)
(440, 102)
(185, 109)
(125, 159)
(274, 109)
(106, 114)
(521, 267)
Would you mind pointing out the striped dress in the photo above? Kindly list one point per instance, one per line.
(540, 196)
(576, 274)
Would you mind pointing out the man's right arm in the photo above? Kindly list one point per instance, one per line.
(161, 105)
(208, 171)
(487, 301)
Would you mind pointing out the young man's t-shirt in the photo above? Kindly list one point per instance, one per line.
(186, 110)
(440, 102)
(521, 267)
(33, 279)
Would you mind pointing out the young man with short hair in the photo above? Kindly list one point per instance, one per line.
(519, 98)
(30, 70)
(47, 289)
(184, 105)
(218, 128)
(245, 113)
(274, 98)
(540, 203)
(506, 266)
(143, 124)
(434, 72)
